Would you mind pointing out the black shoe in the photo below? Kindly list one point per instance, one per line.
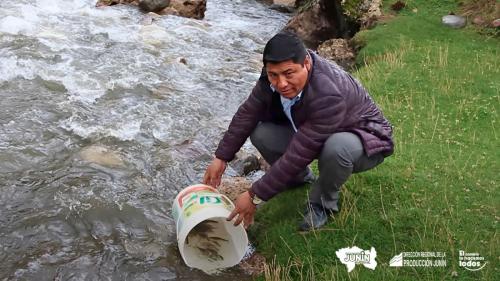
(315, 217)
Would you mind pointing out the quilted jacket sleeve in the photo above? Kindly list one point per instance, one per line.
(326, 113)
(243, 123)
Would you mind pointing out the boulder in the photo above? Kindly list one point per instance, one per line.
(478, 20)
(101, 3)
(454, 21)
(339, 51)
(370, 13)
(184, 8)
(189, 8)
(153, 5)
(398, 6)
(169, 11)
(149, 18)
(289, 3)
(282, 8)
(264, 166)
(314, 25)
(245, 163)
(321, 20)
(495, 23)
(102, 156)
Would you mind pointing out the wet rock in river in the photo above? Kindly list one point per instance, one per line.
(149, 18)
(153, 5)
(169, 11)
(282, 8)
(102, 156)
(102, 3)
(289, 3)
(190, 8)
(184, 8)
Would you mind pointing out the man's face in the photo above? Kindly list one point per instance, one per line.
(287, 77)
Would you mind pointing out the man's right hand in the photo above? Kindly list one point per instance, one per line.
(214, 172)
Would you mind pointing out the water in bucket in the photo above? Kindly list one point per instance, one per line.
(206, 240)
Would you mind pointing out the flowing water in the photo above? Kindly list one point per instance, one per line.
(103, 120)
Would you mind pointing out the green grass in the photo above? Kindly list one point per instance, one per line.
(439, 191)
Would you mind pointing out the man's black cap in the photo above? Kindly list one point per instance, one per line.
(284, 46)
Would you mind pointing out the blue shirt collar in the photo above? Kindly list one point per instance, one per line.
(285, 100)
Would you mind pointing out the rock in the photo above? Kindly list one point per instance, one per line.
(102, 156)
(190, 148)
(282, 8)
(184, 8)
(232, 187)
(149, 18)
(264, 166)
(495, 23)
(398, 6)
(183, 61)
(313, 25)
(245, 163)
(153, 35)
(289, 3)
(370, 13)
(454, 21)
(300, 3)
(190, 8)
(101, 3)
(169, 11)
(321, 20)
(478, 20)
(153, 5)
(338, 50)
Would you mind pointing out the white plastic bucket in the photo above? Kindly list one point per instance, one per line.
(206, 240)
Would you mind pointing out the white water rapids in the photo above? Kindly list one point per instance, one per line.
(103, 120)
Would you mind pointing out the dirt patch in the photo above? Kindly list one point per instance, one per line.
(254, 265)
(234, 186)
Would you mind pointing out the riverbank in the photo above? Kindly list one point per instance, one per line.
(438, 192)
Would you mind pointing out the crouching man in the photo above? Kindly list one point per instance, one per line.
(302, 108)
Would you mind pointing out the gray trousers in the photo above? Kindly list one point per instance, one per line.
(342, 155)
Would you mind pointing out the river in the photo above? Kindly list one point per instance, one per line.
(103, 120)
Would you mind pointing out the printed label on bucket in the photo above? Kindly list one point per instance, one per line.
(192, 191)
(198, 201)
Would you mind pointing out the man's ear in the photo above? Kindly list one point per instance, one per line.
(308, 63)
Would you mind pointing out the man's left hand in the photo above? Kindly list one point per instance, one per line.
(245, 210)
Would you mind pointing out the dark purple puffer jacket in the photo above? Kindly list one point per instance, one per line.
(332, 101)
